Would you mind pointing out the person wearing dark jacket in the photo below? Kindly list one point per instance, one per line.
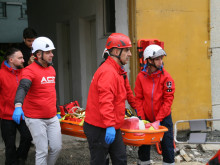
(9, 80)
(39, 108)
(154, 92)
(29, 36)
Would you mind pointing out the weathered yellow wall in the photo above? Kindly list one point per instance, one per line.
(184, 28)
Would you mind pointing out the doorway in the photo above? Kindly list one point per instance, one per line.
(64, 63)
(88, 54)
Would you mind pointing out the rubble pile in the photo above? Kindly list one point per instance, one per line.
(195, 152)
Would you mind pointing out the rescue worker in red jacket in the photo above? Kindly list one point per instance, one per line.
(154, 91)
(9, 80)
(130, 96)
(105, 108)
(37, 86)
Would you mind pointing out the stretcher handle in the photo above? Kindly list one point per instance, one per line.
(133, 139)
(161, 129)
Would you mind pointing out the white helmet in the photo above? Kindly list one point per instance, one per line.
(42, 43)
(153, 51)
(105, 53)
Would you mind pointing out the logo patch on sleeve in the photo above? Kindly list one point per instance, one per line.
(169, 84)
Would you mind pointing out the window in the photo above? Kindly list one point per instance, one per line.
(2, 10)
(109, 16)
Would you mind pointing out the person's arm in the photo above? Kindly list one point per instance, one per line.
(58, 109)
(168, 96)
(107, 87)
(31, 59)
(22, 91)
(1, 85)
(19, 98)
(107, 90)
(139, 98)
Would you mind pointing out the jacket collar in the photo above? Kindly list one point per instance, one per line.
(6, 66)
(41, 64)
(152, 75)
(118, 68)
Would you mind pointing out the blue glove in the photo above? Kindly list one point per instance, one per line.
(58, 115)
(18, 112)
(110, 135)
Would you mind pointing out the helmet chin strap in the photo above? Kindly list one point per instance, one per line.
(48, 63)
(158, 68)
(119, 57)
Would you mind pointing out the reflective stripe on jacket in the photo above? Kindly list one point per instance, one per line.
(154, 95)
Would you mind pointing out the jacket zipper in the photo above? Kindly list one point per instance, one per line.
(152, 94)
(16, 74)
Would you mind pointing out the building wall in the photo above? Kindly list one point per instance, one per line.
(215, 59)
(13, 24)
(52, 19)
(71, 13)
(184, 28)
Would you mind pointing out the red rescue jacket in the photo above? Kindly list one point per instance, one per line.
(106, 97)
(9, 81)
(154, 95)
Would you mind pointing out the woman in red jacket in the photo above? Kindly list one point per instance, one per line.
(154, 90)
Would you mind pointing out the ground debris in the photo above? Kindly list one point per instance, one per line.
(75, 151)
(184, 155)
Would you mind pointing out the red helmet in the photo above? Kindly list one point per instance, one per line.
(118, 40)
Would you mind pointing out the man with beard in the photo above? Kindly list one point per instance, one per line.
(9, 80)
(37, 86)
(105, 110)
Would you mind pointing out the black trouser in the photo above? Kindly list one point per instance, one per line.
(99, 149)
(9, 129)
(166, 144)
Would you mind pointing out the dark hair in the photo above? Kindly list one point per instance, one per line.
(10, 52)
(105, 56)
(29, 33)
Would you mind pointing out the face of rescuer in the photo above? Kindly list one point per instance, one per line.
(16, 60)
(46, 57)
(125, 55)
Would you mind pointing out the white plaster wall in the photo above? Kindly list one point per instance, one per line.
(215, 59)
(121, 14)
